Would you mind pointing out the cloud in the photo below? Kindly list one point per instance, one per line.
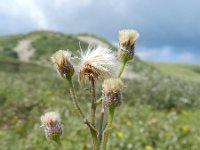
(21, 16)
(166, 54)
(171, 24)
(186, 57)
(163, 54)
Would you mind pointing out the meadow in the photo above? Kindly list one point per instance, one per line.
(160, 109)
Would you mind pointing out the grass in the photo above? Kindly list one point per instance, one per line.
(28, 90)
(160, 107)
(10, 41)
(184, 71)
(48, 43)
(44, 44)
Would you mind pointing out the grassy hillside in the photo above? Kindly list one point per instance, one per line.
(160, 108)
(42, 43)
(183, 71)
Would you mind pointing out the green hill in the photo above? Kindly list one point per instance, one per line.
(160, 108)
(37, 45)
(183, 71)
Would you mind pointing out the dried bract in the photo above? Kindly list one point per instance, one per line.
(61, 59)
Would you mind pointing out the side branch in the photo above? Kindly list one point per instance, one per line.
(77, 107)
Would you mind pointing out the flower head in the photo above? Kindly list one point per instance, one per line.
(97, 63)
(127, 39)
(52, 126)
(61, 59)
(112, 92)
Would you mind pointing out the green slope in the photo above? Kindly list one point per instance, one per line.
(183, 71)
(28, 90)
(160, 108)
(43, 43)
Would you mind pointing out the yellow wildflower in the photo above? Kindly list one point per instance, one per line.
(15, 117)
(185, 129)
(120, 134)
(148, 147)
(128, 123)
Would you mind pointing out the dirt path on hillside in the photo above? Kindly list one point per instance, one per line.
(92, 40)
(24, 49)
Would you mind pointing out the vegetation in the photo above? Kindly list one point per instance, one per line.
(162, 111)
(183, 71)
(43, 43)
(47, 43)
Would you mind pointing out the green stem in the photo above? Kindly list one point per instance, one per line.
(92, 114)
(101, 123)
(99, 102)
(122, 68)
(59, 143)
(94, 140)
(109, 127)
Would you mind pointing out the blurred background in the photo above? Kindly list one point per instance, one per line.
(161, 94)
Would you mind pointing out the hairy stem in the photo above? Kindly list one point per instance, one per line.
(108, 128)
(122, 69)
(77, 107)
(93, 102)
(92, 114)
(101, 124)
(75, 102)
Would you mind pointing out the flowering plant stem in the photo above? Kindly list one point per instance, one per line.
(93, 102)
(57, 140)
(74, 98)
(92, 114)
(77, 107)
(122, 68)
(101, 123)
(109, 127)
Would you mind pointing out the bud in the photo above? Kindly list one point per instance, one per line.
(61, 59)
(52, 126)
(112, 92)
(127, 39)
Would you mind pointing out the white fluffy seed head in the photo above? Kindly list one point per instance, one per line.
(97, 63)
(62, 61)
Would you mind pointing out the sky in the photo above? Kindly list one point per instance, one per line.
(169, 30)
